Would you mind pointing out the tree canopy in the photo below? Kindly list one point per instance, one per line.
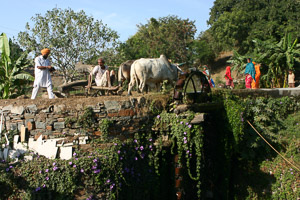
(71, 36)
(171, 36)
(235, 23)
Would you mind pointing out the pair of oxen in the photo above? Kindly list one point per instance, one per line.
(147, 72)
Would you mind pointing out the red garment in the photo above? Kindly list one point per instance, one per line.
(228, 73)
(248, 81)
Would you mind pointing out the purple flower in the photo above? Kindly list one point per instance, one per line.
(187, 123)
(64, 133)
(7, 169)
(108, 181)
(242, 119)
(70, 163)
(82, 170)
(142, 156)
(187, 152)
(40, 172)
(280, 102)
(136, 148)
(158, 116)
(111, 187)
(118, 151)
(150, 139)
(184, 138)
(115, 144)
(291, 169)
(47, 178)
(74, 166)
(10, 167)
(135, 141)
(184, 133)
(184, 141)
(46, 170)
(97, 171)
(190, 155)
(74, 154)
(135, 158)
(121, 158)
(37, 189)
(54, 164)
(44, 186)
(190, 126)
(292, 173)
(150, 146)
(95, 160)
(94, 167)
(76, 158)
(89, 156)
(181, 122)
(141, 148)
(55, 168)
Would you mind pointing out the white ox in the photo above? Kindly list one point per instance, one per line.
(148, 71)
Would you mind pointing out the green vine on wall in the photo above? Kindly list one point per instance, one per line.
(186, 138)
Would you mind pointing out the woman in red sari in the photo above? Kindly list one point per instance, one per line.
(228, 78)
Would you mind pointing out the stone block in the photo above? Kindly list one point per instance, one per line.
(126, 112)
(13, 154)
(59, 125)
(13, 126)
(23, 133)
(125, 104)
(31, 125)
(19, 110)
(61, 119)
(66, 153)
(48, 149)
(59, 108)
(50, 121)
(31, 109)
(7, 108)
(40, 125)
(115, 114)
(112, 105)
(49, 128)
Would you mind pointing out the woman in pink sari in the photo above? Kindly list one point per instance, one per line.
(250, 73)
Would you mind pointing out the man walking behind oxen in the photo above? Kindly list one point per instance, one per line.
(42, 75)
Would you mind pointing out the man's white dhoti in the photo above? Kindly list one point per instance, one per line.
(42, 77)
(101, 76)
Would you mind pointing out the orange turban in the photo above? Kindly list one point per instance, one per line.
(45, 51)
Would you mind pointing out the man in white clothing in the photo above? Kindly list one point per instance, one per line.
(42, 75)
(102, 75)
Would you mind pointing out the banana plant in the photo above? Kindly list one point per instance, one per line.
(12, 74)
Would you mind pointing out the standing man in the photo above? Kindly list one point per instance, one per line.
(42, 75)
(102, 75)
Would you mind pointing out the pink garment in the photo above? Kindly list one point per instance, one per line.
(248, 81)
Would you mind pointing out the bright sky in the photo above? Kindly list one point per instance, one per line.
(120, 15)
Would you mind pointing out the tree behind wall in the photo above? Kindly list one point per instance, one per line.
(169, 35)
(71, 36)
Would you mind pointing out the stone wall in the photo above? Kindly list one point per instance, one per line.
(51, 118)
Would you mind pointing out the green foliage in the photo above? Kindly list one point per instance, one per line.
(71, 36)
(235, 23)
(203, 52)
(86, 120)
(276, 57)
(186, 138)
(169, 35)
(13, 78)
